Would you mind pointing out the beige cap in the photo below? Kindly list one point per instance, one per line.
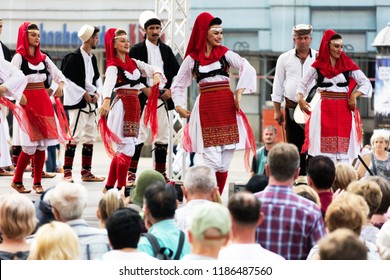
(86, 32)
(302, 29)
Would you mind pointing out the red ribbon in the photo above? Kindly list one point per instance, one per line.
(107, 136)
(20, 115)
(151, 110)
(63, 120)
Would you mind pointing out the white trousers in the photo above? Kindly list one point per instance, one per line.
(83, 124)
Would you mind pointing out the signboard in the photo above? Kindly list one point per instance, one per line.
(382, 93)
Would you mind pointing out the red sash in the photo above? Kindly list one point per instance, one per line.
(218, 114)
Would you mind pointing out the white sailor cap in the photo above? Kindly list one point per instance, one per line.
(148, 18)
(302, 29)
(86, 32)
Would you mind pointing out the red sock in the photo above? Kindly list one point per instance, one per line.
(111, 179)
(23, 161)
(221, 180)
(39, 161)
(123, 166)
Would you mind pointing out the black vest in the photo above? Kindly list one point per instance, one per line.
(224, 70)
(28, 71)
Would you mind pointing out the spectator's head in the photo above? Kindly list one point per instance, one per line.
(200, 183)
(380, 139)
(209, 229)
(347, 210)
(55, 241)
(68, 201)
(17, 216)
(383, 241)
(145, 179)
(160, 202)
(245, 209)
(269, 135)
(342, 244)
(384, 185)
(321, 172)
(124, 228)
(109, 202)
(43, 208)
(257, 183)
(283, 162)
(371, 193)
(308, 193)
(345, 174)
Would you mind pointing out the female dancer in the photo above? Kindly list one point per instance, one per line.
(36, 66)
(334, 128)
(122, 77)
(213, 129)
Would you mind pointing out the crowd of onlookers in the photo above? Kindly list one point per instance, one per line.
(282, 221)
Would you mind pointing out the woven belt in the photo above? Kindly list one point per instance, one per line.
(334, 95)
(208, 87)
(124, 92)
(31, 86)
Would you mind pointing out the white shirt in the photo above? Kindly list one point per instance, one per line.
(247, 252)
(13, 79)
(289, 71)
(155, 59)
(183, 214)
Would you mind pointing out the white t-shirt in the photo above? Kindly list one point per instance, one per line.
(247, 252)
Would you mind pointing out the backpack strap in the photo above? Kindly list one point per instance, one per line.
(153, 241)
(180, 247)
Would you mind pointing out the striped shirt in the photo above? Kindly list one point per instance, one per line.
(292, 224)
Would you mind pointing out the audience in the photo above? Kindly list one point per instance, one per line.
(124, 228)
(43, 209)
(68, 201)
(246, 215)
(209, 230)
(342, 244)
(55, 241)
(383, 241)
(345, 174)
(308, 193)
(349, 211)
(380, 157)
(199, 188)
(17, 222)
(257, 183)
(145, 179)
(109, 202)
(292, 224)
(321, 174)
(379, 217)
(372, 194)
(159, 211)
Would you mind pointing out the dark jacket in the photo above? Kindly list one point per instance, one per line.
(171, 66)
(73, 68)
(6, 51)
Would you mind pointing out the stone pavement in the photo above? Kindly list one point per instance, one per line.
(100, 167)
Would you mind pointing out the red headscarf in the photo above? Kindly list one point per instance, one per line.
(22, 46)
(322, 62)
(111, 59)
(197, 45)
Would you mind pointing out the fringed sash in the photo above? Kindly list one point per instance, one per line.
(132, 111)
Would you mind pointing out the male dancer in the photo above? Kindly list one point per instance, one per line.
(80, 99)
(153, 51)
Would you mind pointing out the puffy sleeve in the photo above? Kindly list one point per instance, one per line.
(109, 82)
(247, 73)
(364, 84)
(305, 85)
(181, 82)
(13, 79)
(54, 71)
(148, 70)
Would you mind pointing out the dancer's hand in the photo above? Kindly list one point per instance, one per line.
(23, 100)
(156, 78)
(59, 92)
(184, 113)
(278, 117)
(237, 100)
(166, 95)
(105, 107)
(305, 107)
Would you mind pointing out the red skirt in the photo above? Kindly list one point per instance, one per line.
(132, 111)
(40, 112)
(218, 114)
(336, 122)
